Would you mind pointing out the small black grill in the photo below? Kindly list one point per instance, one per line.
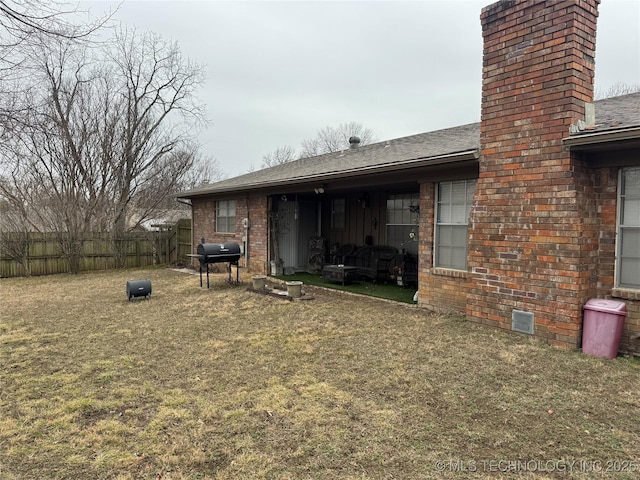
(138, 288)
(218, 253)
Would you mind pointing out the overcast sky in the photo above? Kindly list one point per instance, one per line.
(277, 71)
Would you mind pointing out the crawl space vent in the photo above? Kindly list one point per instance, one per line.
(522, 322)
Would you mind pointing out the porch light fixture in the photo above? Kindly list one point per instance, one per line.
(319, 190)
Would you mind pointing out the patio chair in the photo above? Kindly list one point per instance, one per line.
(341, 253)
(373, 262)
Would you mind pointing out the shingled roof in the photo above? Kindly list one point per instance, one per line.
(430, 148)
(617, 112)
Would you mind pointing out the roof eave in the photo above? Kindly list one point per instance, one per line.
(450, 158)
(585, 140)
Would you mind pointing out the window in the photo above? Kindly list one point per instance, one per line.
(628, 258)
(452, 215)
(403, 213)
(226, 216)
(338, 214)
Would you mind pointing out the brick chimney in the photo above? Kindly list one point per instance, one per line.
(533, 240)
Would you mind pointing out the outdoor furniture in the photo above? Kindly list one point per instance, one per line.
(341, 252)
(339, 273)
(372, 262)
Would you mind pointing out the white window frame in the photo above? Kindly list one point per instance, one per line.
(225, 223)
(470, 186)
(411, 214)
(624, 229)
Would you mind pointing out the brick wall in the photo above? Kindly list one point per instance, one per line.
(439, 289)
(630, 341)
(258, 245)
(606, 187)
(204, 215)
(253, 207)
(532, 238)
(606, 184)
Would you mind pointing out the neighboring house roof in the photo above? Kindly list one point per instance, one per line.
(162, 218)
(431, 148)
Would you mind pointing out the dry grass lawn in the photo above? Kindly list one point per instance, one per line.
(229, 384)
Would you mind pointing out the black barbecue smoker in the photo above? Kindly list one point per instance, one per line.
(208, 253)
(138, 288)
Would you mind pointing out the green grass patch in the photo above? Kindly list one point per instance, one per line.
(388, 291)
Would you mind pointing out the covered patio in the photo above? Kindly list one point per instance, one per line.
(372, 229)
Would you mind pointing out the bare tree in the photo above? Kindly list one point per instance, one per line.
(14, 235)
(327, 140)
(333, 139)
(280, 155)
(161, 115)
(50, 174)
(105, 141)
(20, 20)
(23, 24)
(617, 89)
(204, 170)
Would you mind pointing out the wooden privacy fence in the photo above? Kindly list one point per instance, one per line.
(182, 234)
(170, 245)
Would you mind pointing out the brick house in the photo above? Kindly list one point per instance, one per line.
(526, 215)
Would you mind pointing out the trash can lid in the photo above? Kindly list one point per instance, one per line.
(607, 306)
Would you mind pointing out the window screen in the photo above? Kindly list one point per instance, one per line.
(628, 260)
(226, 216)
(452, 216)
(402, 222)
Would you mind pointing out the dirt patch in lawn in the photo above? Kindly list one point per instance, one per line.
(224, 383)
